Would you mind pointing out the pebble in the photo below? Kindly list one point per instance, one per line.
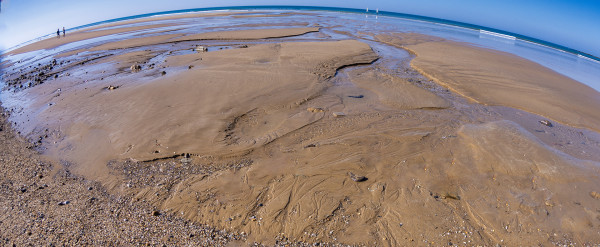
(314, 109)
(201, 49)
(339, 114)
(63, 203)
(356, 96)
(546, 122)
(357, 178)
(135, 67)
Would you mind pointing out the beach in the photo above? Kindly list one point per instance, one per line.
(291, 128)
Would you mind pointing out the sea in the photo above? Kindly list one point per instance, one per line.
(577, 65)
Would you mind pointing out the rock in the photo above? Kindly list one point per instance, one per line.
(63, 203)
(546, 122)
(339, 114)
(357, 178)
(313, 109)
(190, 67)
(23, 190)
(112, 87)
(156, 213)
(356, 96)
(201, 48)
(163, 73)
(595, 195)
(135, 67)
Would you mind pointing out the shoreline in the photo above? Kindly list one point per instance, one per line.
(216, 10)
(308, 134)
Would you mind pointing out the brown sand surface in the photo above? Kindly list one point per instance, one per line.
(92, 32)
(34, 208)
(232, 82)
(249, 34)
(78, 36)
(497, 78)
(308, 142)
(219, 35)
(260, 16)
(190, 16)
(280, 24)
(156, 39)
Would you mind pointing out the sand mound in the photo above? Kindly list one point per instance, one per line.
(249, 34)
(169, 114)
(325, 141)
(497, 78)
(51, 43)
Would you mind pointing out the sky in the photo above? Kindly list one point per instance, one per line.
(570, 23)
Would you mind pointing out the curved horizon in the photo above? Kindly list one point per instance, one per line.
(566, 26)
(328, 9)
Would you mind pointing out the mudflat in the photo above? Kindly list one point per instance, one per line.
(292, 133)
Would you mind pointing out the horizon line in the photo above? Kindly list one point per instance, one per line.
(331, 9)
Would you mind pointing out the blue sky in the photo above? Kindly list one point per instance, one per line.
(571, 23)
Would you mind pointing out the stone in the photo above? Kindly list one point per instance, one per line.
(546, 122)
(314, 109)
(63, 203)
(356, 96)
(135, 67)
(339, 114)
(357, 178)
(201, 48)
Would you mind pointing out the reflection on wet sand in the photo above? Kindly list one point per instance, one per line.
(324, 135)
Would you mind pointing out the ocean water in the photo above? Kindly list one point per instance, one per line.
(574, 64)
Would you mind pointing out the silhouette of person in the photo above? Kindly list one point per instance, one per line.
(64, 33)
(58, 33)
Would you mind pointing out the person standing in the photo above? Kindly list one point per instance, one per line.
(64, 33)
(58, 33)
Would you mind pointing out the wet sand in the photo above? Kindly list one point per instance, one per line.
(291, 136)
(496, 78)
